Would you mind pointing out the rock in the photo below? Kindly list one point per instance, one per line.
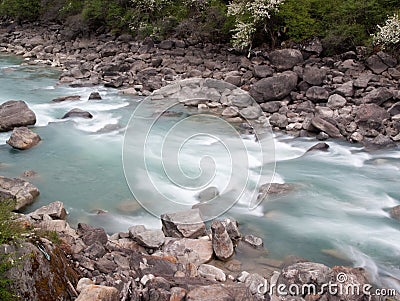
(232, 227)
(379, 142)
(66, 98)
(275, 87)
(251, 112)
(23, 138)
(346, 89)
(321, 146)
(150, 238)
(336, 101)
(387, 59)
(166, 44)
(276, 188)
(278, 120)
(314, 75)
(83, 283)
(15, 113)
(177, 294)
(214, 292)
(135, 230)
(395, 212)
(375, 64)
(196, 251)
(95, 251)
(254, 241)
(317, 94)
(77, 113)
(95, 96)
(321, 136)
(22, 191)
(91, 235)
(378, 96)
(187, 224)
(303, 273)
(234, 80)
(55, 210)
(114, 82)
(363, 80)
(98, 293)
(256, 284)
(356, 137)
(221, 242)
(314, 46)
(211, 272)
(371, 116)
(285, 59)
(271, 106)
(326, 126)
(261, 71)
(352, 278)
(394, 109)
(208, 194)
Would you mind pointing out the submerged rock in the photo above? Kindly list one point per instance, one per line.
(78, 113)
(321, 146)
(22, 191)
(66, 98)
(395, 212)
(15, 113)
(23, 138)
(208, 194)
(95, 96)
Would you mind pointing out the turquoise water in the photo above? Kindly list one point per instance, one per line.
(338, 213)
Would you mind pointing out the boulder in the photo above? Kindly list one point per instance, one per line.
(221, 242)
(285, 59)
(314, 46)
(98, 293)
(261, 71)
(196, 251)
(23, 138)
(271, 106)
(375, 63)
(371, 116)
(208, 194)
(254, 241)
(187, 224)
(211, 272)
(278, 120)
(317, 94)
(95, 96)
(387, 59)
(351, 278)
(378, 142)
(77, 113)
(55, 210)
(66, 98)
(15, 113)
(22, 191)
(336, 101)
(321, 146)
(275, 87)
(150, 238)
(91, 235)
(326, 126)
(395, 212)
(346, 89)
(314, 75)
(232, 227)
(378, 96)
(251, 112)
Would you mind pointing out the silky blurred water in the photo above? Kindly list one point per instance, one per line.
(337, 214)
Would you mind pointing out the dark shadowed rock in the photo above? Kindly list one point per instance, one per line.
(285, 59)
(15, 113)
(66, 98)
(387, 59)
(90, 235)
(394, 109)
(321, 146)
(94, 96)
(221, 242)
(275, 87)
(262, 71)
(22, 191)
(187, 224)
(23, 138)
(395, 212)
(326, 126)
(78, 113)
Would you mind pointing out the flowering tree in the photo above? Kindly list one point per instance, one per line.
(249, 15)
(388, 35)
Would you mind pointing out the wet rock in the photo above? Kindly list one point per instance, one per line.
(211, 272)
(221, 242)
(186, 250)
(22, 191)
(15, 113)
(254, 241)
(208, 194)
(276, 188)
(95, 96)
(187, 224)
(55, 210)
(395, 212)
(326, 126)
(275, 87)
(23, 138)
(379, 142)
(321, 146)
(90, 235)
(285, 59)
(317, 94)
(77, 113)
(66, 98)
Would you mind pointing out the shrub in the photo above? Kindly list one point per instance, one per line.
(388, 35)
(21, 9)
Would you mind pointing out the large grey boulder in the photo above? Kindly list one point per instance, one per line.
(187, 224)
(285, 59)
(149, 238)
(378, 96)
(15, 113)
(55, 210)
(395, 212)
(17, 189)
(275, 87)
(23, 138)
(314, 75)
(371, 116)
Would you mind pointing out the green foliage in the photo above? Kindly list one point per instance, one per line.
(21, 9)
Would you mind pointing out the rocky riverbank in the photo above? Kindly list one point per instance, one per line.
(178, 262)
(353, 96)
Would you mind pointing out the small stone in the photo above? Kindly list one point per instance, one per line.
(254, 241)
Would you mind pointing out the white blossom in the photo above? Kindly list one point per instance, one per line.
(388, 34)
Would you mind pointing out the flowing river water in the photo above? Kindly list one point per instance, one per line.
(337, 214)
